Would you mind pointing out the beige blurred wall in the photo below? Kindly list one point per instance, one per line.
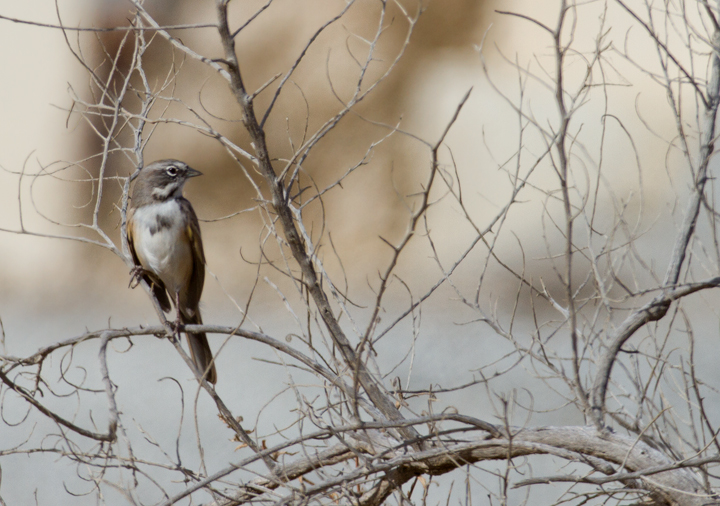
(35, 72)
(440, 65)
(38, 131)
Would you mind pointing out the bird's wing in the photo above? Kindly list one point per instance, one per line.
(197, 279)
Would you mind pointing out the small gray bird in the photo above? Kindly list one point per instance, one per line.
(164, 238)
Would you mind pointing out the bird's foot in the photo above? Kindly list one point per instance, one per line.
(178, 324)
(172, 329)
(136, 274)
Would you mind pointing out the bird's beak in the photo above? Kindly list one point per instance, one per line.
(192, 172)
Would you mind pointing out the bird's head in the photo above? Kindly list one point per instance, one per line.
(162, 180)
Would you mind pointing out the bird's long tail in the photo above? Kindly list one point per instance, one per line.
(200, 349)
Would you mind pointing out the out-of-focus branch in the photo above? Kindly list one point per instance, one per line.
(297, 246)
(707, 146)
(563, 173)
(658, 307)
(110, 436)
(66, 28)
(411, 230)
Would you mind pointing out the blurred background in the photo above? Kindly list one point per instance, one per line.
(54, 289)
(440, 64)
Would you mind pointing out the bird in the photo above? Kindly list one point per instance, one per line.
(166, 246)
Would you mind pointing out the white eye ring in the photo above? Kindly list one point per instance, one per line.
(171, 171)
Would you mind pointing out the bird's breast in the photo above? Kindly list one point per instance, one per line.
(161, 243)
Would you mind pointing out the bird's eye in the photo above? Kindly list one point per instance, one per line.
(171, 171)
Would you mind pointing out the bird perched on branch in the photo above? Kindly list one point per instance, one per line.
(166, 246)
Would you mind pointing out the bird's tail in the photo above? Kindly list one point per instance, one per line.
(200, 349)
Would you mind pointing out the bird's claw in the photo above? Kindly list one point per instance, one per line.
(175, 326)
(172, 329)
(136, 274)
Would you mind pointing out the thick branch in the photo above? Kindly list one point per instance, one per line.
(650, 312)
(677, 485)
